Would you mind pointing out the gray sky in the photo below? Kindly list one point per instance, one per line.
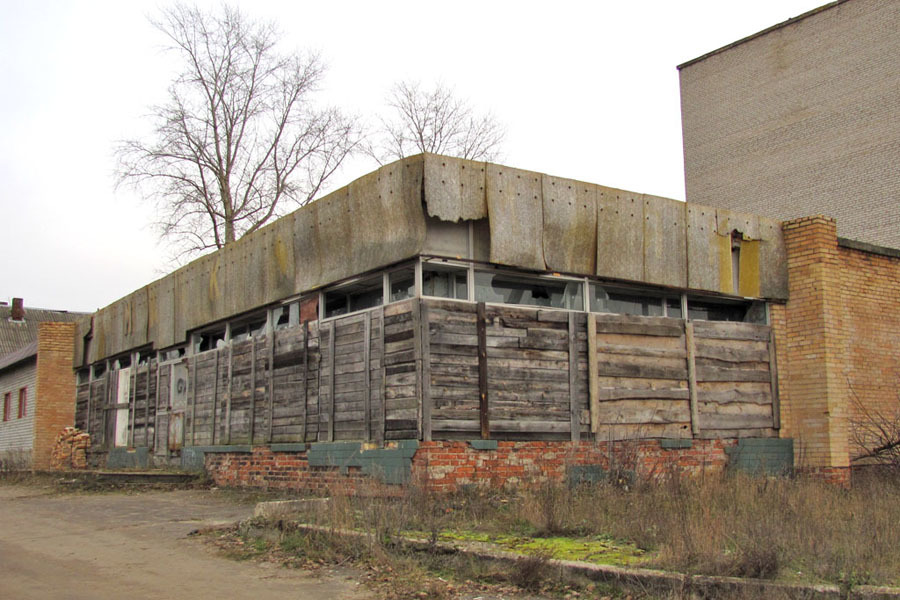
(587, 90)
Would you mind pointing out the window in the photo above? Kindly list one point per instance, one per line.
(503, 288)
(403, 284)
(359, 295)
(209, 340)
(445, 282)
(23, 402)
(633, 302)
(726, 310)
(7, 406)
(253, 327)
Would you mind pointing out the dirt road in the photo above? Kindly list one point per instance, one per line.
(99, 546)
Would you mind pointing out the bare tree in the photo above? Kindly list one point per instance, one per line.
(239, 141)
(435, 120)
(875, 431)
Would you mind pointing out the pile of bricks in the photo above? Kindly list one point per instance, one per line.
(70, 449)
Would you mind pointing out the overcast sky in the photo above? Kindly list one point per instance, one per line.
(587, 90)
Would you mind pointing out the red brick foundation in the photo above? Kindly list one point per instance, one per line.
(447, 466)
(265, 469)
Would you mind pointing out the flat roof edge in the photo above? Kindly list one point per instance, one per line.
(867, 247)
(761, 33)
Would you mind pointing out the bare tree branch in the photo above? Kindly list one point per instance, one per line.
(435, 120)
(239, 141)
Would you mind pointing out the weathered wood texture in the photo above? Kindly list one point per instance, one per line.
(367, 376)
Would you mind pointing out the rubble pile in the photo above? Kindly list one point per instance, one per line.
(70, 449)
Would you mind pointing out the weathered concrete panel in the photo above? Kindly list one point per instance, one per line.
(279, 260)
(386, 210)
(307, 257)
(620, 234)
(454, 188)
(702, 249)
(162, 309)
(570, 225)
(516, 217)
(665, 248)
(773, 260)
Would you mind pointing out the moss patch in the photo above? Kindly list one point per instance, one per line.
(596, 549)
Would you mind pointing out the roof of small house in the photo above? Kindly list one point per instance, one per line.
(18, 334)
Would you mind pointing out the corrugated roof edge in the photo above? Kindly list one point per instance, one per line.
(761, 33)
(17, 356)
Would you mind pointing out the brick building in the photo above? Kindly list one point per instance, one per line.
(36, 382)
(801, 119)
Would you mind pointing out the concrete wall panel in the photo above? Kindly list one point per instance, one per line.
(665, 248)
(620, 234)
(569, 225)
(702, 248)
(516, 217)
(454, 188)
(162, 305)
(772, 260)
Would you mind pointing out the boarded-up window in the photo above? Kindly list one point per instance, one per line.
(23, 402)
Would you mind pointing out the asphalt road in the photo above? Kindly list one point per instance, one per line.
(114, 546)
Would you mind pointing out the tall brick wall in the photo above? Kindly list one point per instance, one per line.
(838, 343)
(802, 120)
(54, 406)
(870, 303)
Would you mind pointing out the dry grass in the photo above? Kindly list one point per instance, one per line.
(736, 525)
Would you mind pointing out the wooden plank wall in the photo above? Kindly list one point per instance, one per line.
(418, 369)
(527, 358)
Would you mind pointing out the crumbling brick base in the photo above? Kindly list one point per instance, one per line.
(447, 466)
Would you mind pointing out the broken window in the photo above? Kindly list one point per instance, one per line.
(445, 281)
(244, 329)
(84, 375)
(171, 353)
(403, 284)
(209, 340)
(627, 302)
(707, 309)
(359, 295)
(504, 288)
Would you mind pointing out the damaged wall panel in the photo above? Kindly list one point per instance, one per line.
(620, 234)
(772, 260)
(569, 225)
(516, 217)
(454, 188)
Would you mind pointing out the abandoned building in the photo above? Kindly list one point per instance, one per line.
(36, 386)
(459, 323)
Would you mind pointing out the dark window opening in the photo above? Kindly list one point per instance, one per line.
(360, 295)
(509, 289)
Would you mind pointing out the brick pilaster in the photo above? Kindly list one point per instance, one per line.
(811, 342)
(54, 399)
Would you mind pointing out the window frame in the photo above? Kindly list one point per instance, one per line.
(23, 402)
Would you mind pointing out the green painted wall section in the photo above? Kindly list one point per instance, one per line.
(389, 465)
(772, 456)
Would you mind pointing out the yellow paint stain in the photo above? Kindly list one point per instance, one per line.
(281, 256)
(726, 277)
(749, 268)
(214, 280)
